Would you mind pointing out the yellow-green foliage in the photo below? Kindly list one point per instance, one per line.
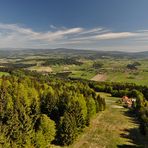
(80, 98)
(46, 131)
(36, 110)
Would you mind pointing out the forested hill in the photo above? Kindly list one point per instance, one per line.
(13, 53)
(37, 110)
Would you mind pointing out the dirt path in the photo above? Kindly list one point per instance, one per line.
(110, 129)
(99, 77)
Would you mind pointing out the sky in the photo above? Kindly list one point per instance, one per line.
(119, 25)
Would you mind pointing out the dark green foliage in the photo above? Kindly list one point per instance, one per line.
(75, 110)
(48, 101)
(45, 132)
(91, 108)
(133, 66)
(16, 65)
(101, 102)
(67, 130)
(117, 89)
(142, 112)
(97, 65)
(64, 61)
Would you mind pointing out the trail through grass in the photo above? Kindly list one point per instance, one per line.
(115, 127)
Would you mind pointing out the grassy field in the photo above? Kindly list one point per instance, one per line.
(114, 69)
(3, 73)
(41, 69)
(112, 128)
(140, 78)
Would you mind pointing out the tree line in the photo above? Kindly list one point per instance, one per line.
(61, 61)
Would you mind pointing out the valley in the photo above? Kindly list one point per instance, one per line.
(79, 96)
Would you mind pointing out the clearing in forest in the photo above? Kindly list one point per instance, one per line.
(115, 127)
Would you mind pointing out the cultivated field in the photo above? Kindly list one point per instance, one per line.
(88, 65)
(99, 77)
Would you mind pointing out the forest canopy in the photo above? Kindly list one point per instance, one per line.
(36, 111)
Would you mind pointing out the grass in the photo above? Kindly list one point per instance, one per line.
(114, 69)
(139, 78)
(110, 129)
(83, 74)
(3, 73)
(41, 68)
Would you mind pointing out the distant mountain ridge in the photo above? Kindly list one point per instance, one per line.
(10, 52)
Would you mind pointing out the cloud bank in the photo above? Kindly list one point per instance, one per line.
(17, 36)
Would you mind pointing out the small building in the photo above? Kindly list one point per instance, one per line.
(127, 102)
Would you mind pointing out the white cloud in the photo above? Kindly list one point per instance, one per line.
(53, 27)
(90, 31)
(51, 36)
(13, 35)
(107, 36)
(111, 35)
(16, 28)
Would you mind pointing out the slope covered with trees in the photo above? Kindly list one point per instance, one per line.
(37, 110)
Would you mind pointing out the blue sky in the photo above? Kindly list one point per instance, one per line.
(87, 24)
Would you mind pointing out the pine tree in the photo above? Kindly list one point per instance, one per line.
(67, 130)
